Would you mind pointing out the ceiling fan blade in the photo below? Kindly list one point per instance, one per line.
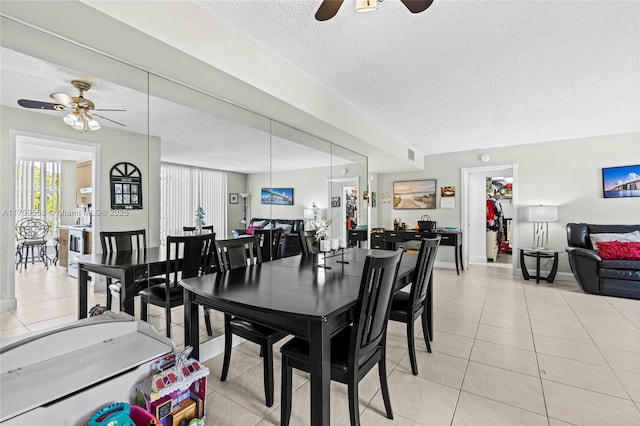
(61, 98)
(26, 103)
(417, 6)
(328, 9)
(98, 109)
(113, 121)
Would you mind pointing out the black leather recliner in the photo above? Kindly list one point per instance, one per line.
(597, 276)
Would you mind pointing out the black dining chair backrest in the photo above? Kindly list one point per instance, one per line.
(123, 240)
(357, 349)
(120, 241)
(187, 257)
(422, 272)
(376, 290)
(407, 308)
(237, 252)
(192, 229)
(308, 238)
(269, 243)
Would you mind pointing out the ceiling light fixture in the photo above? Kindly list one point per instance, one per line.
(81, 120)
(366, 5)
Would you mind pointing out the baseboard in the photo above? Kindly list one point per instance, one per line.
(445, 265)
(8, 304)
(214, 347)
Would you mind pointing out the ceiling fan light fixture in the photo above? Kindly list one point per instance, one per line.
(366, 5)
(70, 119)
(79, 125)
(93, 125)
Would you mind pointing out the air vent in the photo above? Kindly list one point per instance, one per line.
(411, 155)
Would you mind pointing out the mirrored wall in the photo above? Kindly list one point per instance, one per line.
(199, 160)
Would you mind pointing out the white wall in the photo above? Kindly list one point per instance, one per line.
(67, 191)
(565, 173)
(308, 185)
(114, 146)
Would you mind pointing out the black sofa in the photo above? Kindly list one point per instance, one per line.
(290, 241)
(597, 276)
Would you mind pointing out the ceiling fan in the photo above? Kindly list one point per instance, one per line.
(329, 8)
(81, 109)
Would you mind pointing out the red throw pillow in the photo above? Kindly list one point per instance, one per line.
(619, 250)
(250, 229)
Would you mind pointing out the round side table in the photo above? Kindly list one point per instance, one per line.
(539, 254)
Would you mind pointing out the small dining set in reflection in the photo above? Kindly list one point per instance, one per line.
(333, 307)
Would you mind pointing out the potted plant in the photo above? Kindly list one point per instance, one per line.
(199, 220)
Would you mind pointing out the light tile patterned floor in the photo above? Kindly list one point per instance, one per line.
(506, 352)
(47, 298)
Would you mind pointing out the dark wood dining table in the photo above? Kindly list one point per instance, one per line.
(126, 266)
(294, 294)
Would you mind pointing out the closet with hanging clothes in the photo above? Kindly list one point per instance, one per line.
(498, 217)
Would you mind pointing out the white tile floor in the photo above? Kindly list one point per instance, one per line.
(505, 351)
(47, 298)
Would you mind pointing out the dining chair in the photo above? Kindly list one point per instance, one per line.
(407, 307)
(187, 257)
(358, 348)
(269, 243)
(115, 241)
(308, 238)
(31, 235)
(191, 230)
(232, 254)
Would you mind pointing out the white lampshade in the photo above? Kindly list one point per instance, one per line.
(244, 194)
(309, 214)
(70, 119)
(542, 213)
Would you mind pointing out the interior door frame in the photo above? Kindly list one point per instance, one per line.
(343, 219)
(468, 200)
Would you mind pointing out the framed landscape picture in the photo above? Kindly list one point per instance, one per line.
(278, 196)
(414, 194)
(618, 182)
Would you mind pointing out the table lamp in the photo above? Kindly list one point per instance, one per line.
(541, 216)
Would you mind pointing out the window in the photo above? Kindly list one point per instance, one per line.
(38, 191)
(183, 190)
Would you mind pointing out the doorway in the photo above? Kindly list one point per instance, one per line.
(474, 209)
(345, 210)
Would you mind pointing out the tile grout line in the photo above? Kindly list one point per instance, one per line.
(600, 352)
(464, 376)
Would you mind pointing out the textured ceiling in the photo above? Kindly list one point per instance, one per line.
(188, 135)
(464, 74)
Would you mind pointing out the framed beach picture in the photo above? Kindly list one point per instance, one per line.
(619, 182)
(414, 194)
(278, 196)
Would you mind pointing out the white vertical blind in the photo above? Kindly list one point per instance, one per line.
(183, 190)
(38, 191)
